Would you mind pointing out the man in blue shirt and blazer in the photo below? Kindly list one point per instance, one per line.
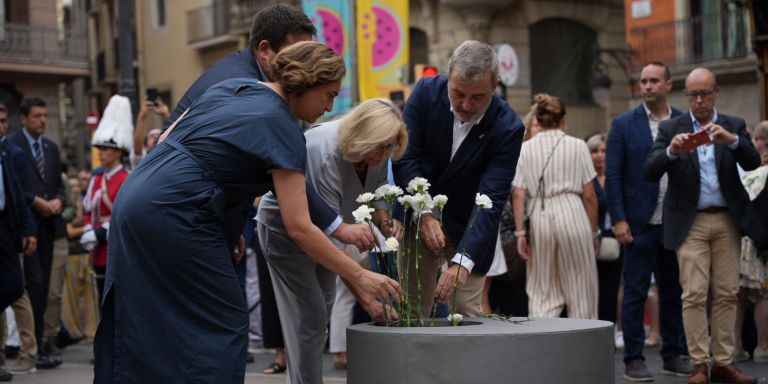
(706, 212)
(464, 139)
(635, 207)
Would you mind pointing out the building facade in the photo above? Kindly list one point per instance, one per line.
(561, 47)
(686, 34)
(43, 54)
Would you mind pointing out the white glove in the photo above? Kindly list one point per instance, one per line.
(88, 240)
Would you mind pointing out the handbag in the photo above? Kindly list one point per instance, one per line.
(610, 249)
(539, 188)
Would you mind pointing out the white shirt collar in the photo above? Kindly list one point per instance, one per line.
(652, 117)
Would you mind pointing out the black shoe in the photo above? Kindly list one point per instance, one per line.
(5, 375)
(635, 370)
(47, 362)
(676, 366)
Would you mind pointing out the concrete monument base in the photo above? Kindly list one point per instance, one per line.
(484, 351)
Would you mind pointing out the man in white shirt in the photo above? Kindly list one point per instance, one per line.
(464, 139)
(636, 211)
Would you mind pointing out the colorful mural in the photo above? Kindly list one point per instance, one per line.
(334, 22)
(382, 46)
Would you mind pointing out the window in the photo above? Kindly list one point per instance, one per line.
(561, 60)
(160, 13)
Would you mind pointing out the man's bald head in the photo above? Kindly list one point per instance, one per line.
(702, 91)
(701, 75)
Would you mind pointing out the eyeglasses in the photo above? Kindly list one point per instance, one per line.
(694, 95)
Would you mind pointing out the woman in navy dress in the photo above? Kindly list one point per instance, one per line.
(173, 310)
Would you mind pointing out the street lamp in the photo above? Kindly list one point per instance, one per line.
(601, 79)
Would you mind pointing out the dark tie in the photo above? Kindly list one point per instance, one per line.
(39, 159)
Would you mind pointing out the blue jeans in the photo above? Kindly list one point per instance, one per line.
(642, 257)
(384, 263)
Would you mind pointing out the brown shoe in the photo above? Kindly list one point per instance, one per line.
(700, 374)
(730, 374)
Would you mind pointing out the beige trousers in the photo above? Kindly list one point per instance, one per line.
(53, 310)
(25, 323)
(468, 297)
(709, 260)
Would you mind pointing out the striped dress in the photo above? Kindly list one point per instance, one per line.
(562, 271)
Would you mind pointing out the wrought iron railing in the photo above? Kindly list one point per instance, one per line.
(27, 43)
(224, 17)
(691, 41)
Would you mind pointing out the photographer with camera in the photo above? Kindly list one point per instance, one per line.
(143, 144)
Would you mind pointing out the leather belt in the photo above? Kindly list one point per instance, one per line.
(713, 210)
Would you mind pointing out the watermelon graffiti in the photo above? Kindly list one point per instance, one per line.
(331, 30)
(388, 42)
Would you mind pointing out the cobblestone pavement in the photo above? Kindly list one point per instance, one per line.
(77, 369)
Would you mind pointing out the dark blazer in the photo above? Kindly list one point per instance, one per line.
(630, 196)
(242, 64)
(680, 203)
(16, 212)
(32, 182)
(485, 163)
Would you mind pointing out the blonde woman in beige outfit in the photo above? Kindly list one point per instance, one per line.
(562, 271)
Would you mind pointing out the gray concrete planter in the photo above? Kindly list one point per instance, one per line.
(485, 351)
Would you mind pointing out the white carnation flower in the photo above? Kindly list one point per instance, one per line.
(455, 317)
(362, 214)
(483, 201)
(388, 192)
(392, 244)
(422, 202)
(365, 198)
(406, 201)
(418, 185)
(440, 201)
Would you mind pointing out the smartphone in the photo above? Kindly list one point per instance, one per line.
(697, 139)
(152, 94)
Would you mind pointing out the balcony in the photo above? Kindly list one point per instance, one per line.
(31, 49)
(692, 41)
(223, 21)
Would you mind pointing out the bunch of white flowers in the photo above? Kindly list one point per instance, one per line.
(365, 198)
(362, 214)
(455, 318)
(392, 244)
(483, 201)
(418, 185)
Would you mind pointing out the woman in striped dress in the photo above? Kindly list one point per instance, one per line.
(562, 206)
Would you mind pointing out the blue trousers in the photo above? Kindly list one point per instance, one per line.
(644, 256)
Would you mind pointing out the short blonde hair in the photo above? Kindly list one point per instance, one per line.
(304, 65)
(371, 123)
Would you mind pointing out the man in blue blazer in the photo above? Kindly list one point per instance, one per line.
(44, 192)
(635, 207)
(465, 140)
(17, 229)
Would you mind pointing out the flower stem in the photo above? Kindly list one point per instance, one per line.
(454, 321)
(418, 275)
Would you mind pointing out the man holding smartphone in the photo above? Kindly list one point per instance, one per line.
(705, 214)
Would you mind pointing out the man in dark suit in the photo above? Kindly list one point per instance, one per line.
(705, 214)
(635, 207)
(17, 231)
(465, 140)
(44, 190)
